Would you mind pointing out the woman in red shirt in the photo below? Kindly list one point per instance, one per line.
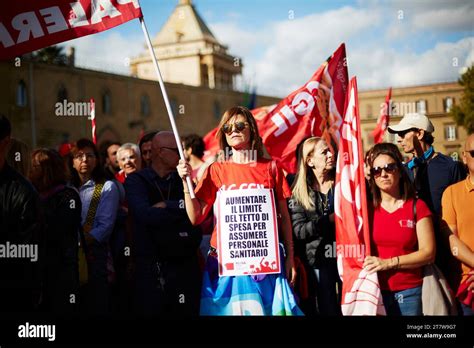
(241, 165)
(401, 244)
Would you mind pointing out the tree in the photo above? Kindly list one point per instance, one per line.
(463, 113)
(51, 55)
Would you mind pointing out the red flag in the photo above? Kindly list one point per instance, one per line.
(28, 25)
(313, 109)
(360, 291)
(383, 120)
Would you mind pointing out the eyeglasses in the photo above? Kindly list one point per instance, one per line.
(389, 168)
(228, 128)
(405, 132)
(174, 149)
(471, 152)
(81, 156)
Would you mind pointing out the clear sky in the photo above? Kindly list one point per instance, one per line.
(283, 42)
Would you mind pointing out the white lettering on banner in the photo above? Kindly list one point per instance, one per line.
(242, 186)
(53, 15)
(102, 9)
(27, 23)
(77, 17)
(247, 307)
(5, 37)
(302, 104)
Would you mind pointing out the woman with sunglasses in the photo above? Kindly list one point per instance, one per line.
(402, 235)
(312, 215)
(241, 164)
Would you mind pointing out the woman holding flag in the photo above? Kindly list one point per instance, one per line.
(402, 233)
(242, 165)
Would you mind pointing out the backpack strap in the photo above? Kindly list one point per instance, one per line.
(93, 206)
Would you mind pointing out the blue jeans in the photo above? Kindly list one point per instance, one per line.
(466, 311)
(403, 303)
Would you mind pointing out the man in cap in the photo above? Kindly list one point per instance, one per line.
(431, 172)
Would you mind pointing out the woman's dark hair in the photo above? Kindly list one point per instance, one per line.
(97, 174)
(196, 144)
(48, 169)
(255, 139)
(406, 188)
(146, 138)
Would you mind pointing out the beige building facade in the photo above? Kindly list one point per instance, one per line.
(434, 100)
(48, 104)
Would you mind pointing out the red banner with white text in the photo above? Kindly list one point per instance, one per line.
(313, 110)
(360, 291)
(28, 25)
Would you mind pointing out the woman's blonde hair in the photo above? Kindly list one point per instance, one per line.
(305, 177)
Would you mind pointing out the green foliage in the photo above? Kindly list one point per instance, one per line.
(464, 112)
(50, 55)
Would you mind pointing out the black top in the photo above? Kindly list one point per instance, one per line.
(314, 233)
(434, 176)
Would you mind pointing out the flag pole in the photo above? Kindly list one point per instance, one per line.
(167, 103)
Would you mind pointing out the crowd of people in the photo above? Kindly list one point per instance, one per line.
(117, 232)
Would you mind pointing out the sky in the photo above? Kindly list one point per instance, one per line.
(283, 42)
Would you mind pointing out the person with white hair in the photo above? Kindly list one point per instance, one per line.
(129, 160)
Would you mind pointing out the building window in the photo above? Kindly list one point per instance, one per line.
(145, 105)
(62, 94)
(369, 110)
(106, 103)
(21, 94)
(448, 104)
(450, 132)
(421, 106)
(216, 110)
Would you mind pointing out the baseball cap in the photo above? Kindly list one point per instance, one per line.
(413, 120)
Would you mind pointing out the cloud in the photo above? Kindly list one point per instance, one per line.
(107, 51)
(448, 19)
(292, 50)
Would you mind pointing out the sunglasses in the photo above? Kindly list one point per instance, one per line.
(228, 128)
(405, 132)
(389, 168)
(471, 152)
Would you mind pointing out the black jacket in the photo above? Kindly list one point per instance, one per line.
(314, 234)
(19, 224)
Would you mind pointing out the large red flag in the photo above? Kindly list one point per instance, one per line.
(384, 119)
(28, 25)
(314, 109)
(360, 291)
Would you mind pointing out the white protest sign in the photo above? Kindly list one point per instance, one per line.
(247, 232)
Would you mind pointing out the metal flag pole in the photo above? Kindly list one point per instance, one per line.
(167, 103)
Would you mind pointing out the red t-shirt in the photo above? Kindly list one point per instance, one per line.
(394, 234)
(232, 176)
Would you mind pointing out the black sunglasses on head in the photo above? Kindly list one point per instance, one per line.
(228, 128)
(389, 168)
